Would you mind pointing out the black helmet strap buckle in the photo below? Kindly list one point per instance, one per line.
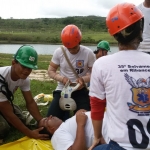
(5, 90)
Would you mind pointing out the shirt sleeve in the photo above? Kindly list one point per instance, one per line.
(56, 56)
(62, 140)
(25, 85)
(96, 82)
(91, 58)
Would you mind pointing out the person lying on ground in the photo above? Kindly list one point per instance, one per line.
(76, 133)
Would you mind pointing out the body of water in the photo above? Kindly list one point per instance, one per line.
(42, 49)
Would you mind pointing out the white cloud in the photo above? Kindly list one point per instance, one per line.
(57, 8)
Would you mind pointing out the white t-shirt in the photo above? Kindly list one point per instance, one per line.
(123, 79)
(65, 135)
(145, 44)
(80, 62)
(12, 85)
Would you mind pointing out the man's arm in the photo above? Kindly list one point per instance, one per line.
(98, 138)
(80, 141)
(31, 105)
(86, 78)
(97, 114)
(52, 72)
(7, 111)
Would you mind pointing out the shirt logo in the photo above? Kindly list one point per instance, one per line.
(140, 95)
(79, 63)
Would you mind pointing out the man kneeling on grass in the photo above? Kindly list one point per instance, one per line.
(12, 78)
(76, 133)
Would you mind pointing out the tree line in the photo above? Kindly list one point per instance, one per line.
(93, 23)
(48, 30)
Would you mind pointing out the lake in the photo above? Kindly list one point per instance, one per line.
(42, 49)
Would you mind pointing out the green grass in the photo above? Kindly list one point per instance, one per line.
(95, 37)
(88, 36)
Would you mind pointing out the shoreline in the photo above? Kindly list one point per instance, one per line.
(16, 42)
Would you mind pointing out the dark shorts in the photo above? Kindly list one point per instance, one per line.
(81, 98)
(5, 126)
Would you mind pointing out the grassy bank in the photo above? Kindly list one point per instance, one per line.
(52, 37)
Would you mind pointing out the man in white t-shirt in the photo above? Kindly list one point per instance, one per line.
(121, 83)
(81, 59)
(145, 44)
(14, 77)
(74, 133)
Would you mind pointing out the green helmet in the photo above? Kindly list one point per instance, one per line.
(27, 56)
(103, 45)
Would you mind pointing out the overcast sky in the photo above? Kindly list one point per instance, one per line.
(19, 9)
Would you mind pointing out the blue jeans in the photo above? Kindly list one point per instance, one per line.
(111, 146)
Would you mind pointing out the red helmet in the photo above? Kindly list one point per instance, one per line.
(71, 36)
(121, 16)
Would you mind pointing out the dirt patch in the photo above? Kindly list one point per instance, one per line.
(41, 75)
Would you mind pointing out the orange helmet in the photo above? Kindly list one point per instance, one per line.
(71, 36)
(121, 16)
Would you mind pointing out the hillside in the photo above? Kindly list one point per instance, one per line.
(47, 30)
